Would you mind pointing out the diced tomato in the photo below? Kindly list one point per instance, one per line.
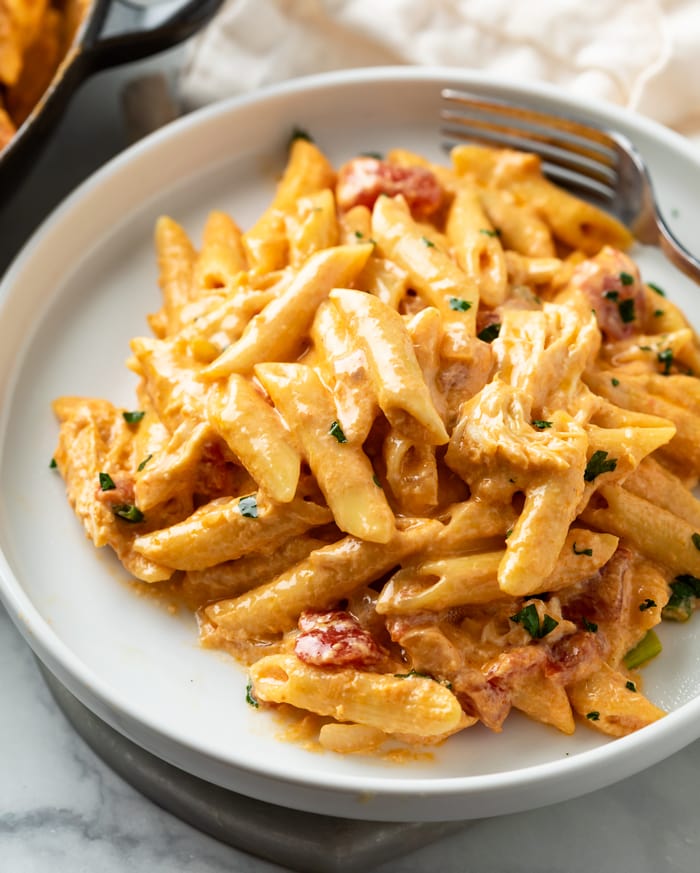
(362, 180)
(335, 638)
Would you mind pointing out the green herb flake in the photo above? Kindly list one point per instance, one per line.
(645, 349)
(599, 463)
(489, 333)
(665, 358)
(143, 463)
(427, 242)
(530, 620)
(696, 540)
(411, 674)
(106, 482)
(626, 308)
(128, 512)
(378, 156)
(52, 464)
(656, 289)
(614, 382)
(630, 686)
(593, 715)
(588, 552)
(488, 232)
(459, 304)
(376, 481)
(248, 506)
(658, 313)
(611, 295)
(590, 626)
(335, 430)
(647, 604)
(509, 532)
(681, 603)
(627, 278)
(133, 417)
(540, 424)
(249, 696)
(359, 234)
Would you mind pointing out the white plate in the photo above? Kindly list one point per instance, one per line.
(72, 300)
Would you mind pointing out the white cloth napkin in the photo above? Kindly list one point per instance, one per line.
(643, 54)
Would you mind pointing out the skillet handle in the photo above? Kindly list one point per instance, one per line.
(108, 51)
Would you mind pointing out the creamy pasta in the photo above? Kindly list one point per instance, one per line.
(418, 447)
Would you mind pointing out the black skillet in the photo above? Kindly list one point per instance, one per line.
(92, 50)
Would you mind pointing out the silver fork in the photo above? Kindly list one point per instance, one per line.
(601, 165)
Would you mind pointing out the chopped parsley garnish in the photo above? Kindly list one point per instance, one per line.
(248, 506)
(590, 626)
(509, 532)
(106, 482)
(459, 304)
(626, 308)
(428, 242)
(593, 715)
(666, 358)
(611, 295)
(530, 620)
(588, 552)
(656, 289)
(696, 540)
(681, 603)
(489, 333)
(335, 430)
(133, 417)
(249, 696)
(52, 464)
(376, 481)
(647, 604)
(626, 278)
(359, 234)
(658, 313)
(128, 512)
(630, 686)
(645, 348)
(540, 424)
(614, 382)
(599, 463)
(143, 463)
(488, 232)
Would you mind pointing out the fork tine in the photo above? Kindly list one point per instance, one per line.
(581, 157)
(548, 148)
(602, 191)
(591, 135)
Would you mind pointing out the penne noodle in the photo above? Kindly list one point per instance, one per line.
(396, 376)
(318, 582)
(343, 471)
(417, 706)
(277, 332)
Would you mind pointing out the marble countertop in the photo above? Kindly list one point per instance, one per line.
(62, 810)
